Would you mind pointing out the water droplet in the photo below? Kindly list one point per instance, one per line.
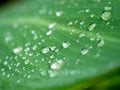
(17, 50)
(91, 27)
(52, 73)
(5, 62)
(92, 15)
(70, 23)
(107, 8)
(8, 37)
(29, 76)
(100, 43)
(53, 48)
(27, 62)
(8, 75)
(106, 16)
(57, 65)
(52, 56)
(58, 13)
(34, 47)
(43, 72)
(49, 32)
(45, 50)
(66, 44)
(81, 35)
(18, 81)
(52, 25)
(84, 51)
(87, 10)
(82, 23)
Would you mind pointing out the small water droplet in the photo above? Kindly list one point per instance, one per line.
(53, 48)
(87, 10)
(57, 65)
(84, 51)
(52, 73)
(8, 37)
(107, 8)
(82, 23)
(106, 16)
(5, 62)
(70, 23)
(43, 72)
(100, 43)
(91, 27)
(66, 44)
(18, 81)
(34, 47)
(58, 13)
(17, 50)
(49, 32)
(92, 15)
(81, 35)
(29, 76)
(45, 50)
(52, 25)
(27, 62)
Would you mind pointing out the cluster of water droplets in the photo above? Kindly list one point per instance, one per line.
(38, 51)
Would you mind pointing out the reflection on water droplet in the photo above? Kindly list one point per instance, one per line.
(106, 16)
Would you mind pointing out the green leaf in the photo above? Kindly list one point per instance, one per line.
(60, 44)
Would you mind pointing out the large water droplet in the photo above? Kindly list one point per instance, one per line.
(106, 16)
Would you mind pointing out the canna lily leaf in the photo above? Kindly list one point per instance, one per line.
(60, 44)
